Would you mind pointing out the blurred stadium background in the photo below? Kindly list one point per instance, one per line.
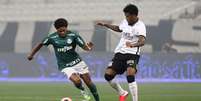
(171, 56)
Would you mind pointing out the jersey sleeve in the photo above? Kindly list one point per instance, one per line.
(46, 41)
(79, 40)
(122, 25)
(142, 30)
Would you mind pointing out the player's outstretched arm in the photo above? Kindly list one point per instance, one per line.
(34, 51)
(112, 27)
(88, 46)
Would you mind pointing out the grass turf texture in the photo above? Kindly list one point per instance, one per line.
(22, 91)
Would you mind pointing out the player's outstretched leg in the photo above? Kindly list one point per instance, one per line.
(109, 76)
(78, 84)
(122, 93)
(86, 78)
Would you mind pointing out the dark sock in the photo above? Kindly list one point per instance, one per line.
(94, 92)
(79, 86)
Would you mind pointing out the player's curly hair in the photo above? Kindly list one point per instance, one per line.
(131, 9)
(61, 22)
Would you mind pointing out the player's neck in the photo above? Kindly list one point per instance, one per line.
(63, 36)
(134, 22)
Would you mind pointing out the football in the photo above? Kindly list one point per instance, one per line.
(66, 99)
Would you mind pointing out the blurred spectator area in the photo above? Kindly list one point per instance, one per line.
(151, 11)
(25, 22)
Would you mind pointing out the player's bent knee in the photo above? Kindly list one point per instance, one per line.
(108, 77)
(76, 80)
(130, 78)
(131, 70)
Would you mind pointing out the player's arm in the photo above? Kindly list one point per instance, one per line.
(140, 42)
(112, 27)
(36, 48)
(85, 46)
(46, 41)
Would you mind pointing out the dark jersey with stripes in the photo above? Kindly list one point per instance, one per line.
(64, 48)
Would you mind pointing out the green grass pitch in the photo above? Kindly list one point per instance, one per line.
(12, 91)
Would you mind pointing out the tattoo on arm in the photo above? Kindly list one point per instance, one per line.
(140, 42)
(113, 27)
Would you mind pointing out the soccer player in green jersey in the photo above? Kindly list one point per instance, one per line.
(69, 62)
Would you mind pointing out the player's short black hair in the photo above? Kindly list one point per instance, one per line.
(61, 22)
(131, 9)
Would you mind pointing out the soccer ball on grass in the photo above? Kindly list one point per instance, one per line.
(66, 99)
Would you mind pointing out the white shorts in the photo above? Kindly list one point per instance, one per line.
(80, 68)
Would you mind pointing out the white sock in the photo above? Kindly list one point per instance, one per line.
(117, 87)
(133, 90)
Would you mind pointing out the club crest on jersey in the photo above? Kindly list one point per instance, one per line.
(69, 41)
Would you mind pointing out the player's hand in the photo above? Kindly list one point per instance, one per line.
(29, 57)
(90, 45)
(129, 44)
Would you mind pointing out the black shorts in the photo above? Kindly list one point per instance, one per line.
(121, 62)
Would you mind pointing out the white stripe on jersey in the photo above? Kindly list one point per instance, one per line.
(129, 34)
(45, 41)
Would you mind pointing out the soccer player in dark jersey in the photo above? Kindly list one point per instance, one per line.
(127, 52)
(69, 62)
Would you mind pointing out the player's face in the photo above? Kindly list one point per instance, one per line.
(131, 18)
(62, 31)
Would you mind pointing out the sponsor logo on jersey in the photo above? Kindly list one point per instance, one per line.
(73, 62)
(64, 49)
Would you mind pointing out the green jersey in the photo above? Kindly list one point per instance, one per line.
(64, 48)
